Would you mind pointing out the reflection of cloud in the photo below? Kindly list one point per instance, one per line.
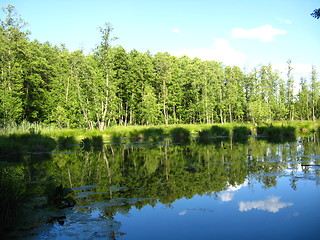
(265, 33)
(182, 213)
(271, 204)
(228, 195)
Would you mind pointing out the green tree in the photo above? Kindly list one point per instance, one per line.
(13, 42)
(315, 94)
(149, 108)
(290, 92)
(163, 66)
(303, 101)
(105, 95)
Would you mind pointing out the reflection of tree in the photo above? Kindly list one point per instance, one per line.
(163, 172)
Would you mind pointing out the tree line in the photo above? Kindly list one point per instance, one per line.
(45, 83)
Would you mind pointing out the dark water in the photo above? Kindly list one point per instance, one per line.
(219, 190)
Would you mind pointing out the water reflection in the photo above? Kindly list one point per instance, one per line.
(122, 177)
(271, 204)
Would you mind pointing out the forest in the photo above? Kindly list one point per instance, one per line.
(110, 86)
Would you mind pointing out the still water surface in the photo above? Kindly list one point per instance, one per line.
(220, 190)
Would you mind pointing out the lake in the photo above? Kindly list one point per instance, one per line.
(221, 189)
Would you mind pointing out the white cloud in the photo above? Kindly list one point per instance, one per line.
(220, 51)
(265, 33)
(271, 204)
(176, 30)
(298, 68)
(285, 21)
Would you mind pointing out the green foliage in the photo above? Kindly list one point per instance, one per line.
(41, 83)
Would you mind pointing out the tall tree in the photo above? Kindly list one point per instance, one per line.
(13, 41)
(290, 91)
(105, 88)
(315, 94)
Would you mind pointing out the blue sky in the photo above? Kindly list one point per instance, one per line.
(244, 33)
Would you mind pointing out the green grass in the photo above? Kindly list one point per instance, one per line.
(16, 139)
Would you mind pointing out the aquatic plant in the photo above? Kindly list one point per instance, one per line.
(153, 134)
(85, 144)
(136, 136)
(13, 146)
(116, 138)
(219, 131)
(97, 142)
(66, 142)
(277, 134)
(180, 135)
(241, 132)
(205, 136)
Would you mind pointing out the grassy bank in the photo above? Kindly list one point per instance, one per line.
(40, 138)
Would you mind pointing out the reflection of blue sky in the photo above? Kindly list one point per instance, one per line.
(271, 204)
